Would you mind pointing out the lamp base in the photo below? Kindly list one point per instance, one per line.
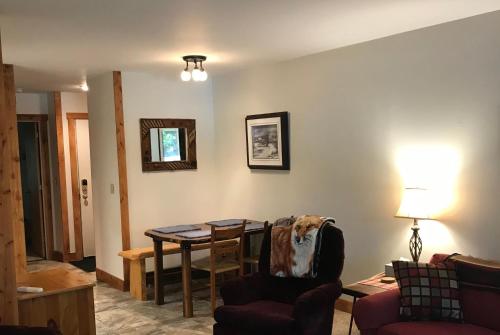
(415, 242)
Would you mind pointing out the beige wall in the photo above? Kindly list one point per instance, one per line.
(417, 108)
(168, 198)
(71, 102)
(104, 164)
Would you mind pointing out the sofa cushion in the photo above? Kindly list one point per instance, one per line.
(428, 291)
(262, 315)
(433, 328)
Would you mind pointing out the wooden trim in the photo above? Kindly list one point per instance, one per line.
(343, 305)
(18, 211)
(111, 280)
(8, 134)
(77, 116)
(57, 256)
(46, 187)
(75, 188)
(122, 169)
(62, 174)
(32, 117)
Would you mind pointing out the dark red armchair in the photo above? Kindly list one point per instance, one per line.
(262, 304)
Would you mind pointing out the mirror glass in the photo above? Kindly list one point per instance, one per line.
(168, 144)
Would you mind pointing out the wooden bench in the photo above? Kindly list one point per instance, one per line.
(137, 258)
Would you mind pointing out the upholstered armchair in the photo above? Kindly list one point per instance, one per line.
(262, 304)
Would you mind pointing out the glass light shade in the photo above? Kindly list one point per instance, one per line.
(196, 74)
(415, 204)
(185, 75)
(203, 75)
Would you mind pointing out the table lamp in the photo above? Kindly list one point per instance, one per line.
(414, 205)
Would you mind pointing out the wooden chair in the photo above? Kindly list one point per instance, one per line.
(223, 258)
(253, 260)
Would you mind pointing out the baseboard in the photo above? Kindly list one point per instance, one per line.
(111, 280)
(343, 305)
(57, 256)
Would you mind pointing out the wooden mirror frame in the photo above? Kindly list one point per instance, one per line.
(188, 164)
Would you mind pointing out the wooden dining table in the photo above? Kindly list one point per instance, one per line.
(186, 246)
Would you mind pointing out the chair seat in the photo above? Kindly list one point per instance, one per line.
(433, 328)
(222, 265)
(272, 316)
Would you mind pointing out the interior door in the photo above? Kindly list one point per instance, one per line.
(32, 189)
(85, 185)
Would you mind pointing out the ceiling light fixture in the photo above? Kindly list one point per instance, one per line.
(198, 73)
(84, 87)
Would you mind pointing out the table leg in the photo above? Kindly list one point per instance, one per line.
(248, 251)
(186, 280)
(352, 316)
(158, 250)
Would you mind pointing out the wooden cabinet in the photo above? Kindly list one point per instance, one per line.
(68, 299)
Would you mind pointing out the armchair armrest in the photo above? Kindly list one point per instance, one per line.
(313, 310)
(243, 290)
(374, 311)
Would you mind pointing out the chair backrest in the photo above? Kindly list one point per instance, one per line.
(331, 263)
(219, 249)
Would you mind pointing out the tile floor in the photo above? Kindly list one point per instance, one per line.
(118, 313)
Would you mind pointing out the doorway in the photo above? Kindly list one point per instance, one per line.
(35, 184)
(81, 190)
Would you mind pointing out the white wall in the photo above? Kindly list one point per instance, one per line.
(168, 198)
(71, 102)
(32, 103)
(356, 114)
(104, 164)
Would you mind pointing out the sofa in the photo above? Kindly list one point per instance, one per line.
(479, 282)
(260, 304)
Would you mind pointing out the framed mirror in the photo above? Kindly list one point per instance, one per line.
(168, 144)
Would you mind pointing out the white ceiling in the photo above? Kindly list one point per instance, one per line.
(56, 44)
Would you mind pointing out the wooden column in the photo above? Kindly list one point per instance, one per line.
(122, 172)
(62, 175)
(18, 214)
(8, 210)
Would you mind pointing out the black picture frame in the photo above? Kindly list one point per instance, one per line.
(267, 141)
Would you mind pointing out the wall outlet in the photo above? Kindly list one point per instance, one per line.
(112, 188)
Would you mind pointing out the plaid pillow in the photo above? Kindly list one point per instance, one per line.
(428, 292)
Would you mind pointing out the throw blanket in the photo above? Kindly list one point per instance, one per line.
(296, 244)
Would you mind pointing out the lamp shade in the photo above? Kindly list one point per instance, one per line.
(415, 204)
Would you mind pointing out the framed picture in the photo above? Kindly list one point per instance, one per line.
(267, 141)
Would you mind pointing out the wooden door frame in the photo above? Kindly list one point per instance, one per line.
(43, 149)
(75, 182)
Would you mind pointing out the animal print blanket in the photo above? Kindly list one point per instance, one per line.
(296, 244)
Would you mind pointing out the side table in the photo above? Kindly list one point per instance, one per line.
(366, 287)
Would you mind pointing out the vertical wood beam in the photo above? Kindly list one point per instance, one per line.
(122, 171)
(75, 188)
(62, 174)
(18, 212)
(8, 130)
